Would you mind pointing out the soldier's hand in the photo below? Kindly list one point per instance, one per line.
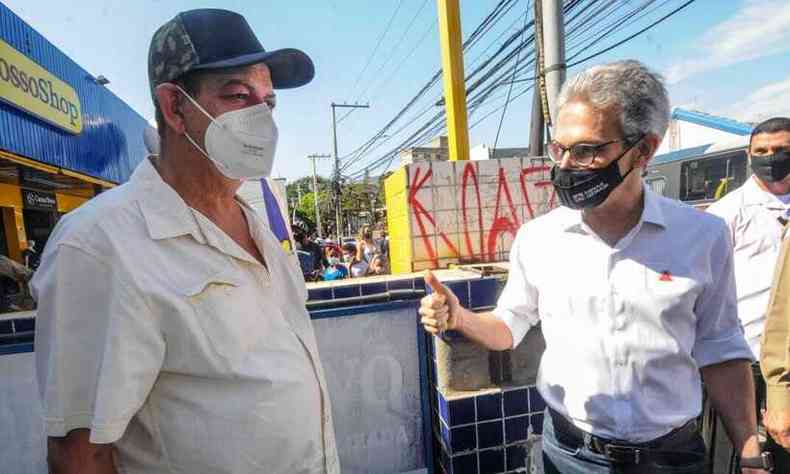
(440, 310)
(777, 422)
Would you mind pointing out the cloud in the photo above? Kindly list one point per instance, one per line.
(760, 28)
(768, 101)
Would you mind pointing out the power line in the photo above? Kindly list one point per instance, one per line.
(378, 44)
(629, 38)
(509, 89)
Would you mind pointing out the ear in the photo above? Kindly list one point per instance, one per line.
(169, 98)
(647, 149)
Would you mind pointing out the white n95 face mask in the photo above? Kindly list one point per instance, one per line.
(241, 143)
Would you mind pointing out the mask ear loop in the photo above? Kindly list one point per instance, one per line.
(199, 107)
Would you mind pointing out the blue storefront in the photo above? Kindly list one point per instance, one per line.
(64, 137)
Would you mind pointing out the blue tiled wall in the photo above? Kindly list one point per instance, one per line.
(487, 432)
(360, 288)
(483, 432)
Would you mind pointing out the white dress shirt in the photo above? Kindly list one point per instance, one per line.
(160, 334)
(626, 327)
(753, 217)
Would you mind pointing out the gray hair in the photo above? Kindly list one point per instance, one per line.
(637, 91)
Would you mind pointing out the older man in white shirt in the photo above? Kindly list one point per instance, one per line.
(172, 334)
(634, 292)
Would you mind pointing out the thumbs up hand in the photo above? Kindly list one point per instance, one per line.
(441, 310)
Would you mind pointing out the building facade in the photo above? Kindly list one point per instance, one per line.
(64, 137)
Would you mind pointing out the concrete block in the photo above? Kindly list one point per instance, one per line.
(525, 358)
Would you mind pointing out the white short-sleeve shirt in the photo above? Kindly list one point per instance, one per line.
(626, 327)
(160, 334)
(753, 216)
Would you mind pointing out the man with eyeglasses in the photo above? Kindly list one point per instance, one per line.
(634, 292)
(757, 213)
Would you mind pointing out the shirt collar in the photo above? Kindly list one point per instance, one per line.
(165, 212)
(651, 213)
(754, 195)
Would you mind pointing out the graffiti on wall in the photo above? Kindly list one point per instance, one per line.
(470, 212)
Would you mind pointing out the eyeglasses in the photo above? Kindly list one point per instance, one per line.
(582, 154)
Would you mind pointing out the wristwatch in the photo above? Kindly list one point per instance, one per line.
(764, 461)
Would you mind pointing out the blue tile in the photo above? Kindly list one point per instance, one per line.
(400, 284)
(516, 429)
(516, 402)
(516, 457)
(346, 291)
(25, 324)
(444, 409)
(489, 407)
(492, 461)
(462, 411)
(466, 464)
(483, 292)
(374, 288)
(315, 294)
(463, 439)
(536, 421)
(461, 290)
(490, 434)
(5, 327)
(445, 436)
(536, 402)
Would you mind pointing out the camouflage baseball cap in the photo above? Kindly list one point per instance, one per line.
(214, 39)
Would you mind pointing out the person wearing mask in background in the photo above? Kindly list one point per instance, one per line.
(634, 293)
(366, 248)
(756, 214)
(172, 334)
(336, 269)
(356, 267)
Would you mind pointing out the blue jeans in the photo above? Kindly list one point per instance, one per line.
(562, 459)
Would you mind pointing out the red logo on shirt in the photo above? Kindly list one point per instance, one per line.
(665, 276)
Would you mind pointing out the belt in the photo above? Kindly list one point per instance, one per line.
(626, 453)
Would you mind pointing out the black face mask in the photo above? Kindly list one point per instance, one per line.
(587, 188)
(772, 168)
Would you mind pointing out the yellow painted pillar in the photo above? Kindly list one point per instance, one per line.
(453, 77)
(15, 235)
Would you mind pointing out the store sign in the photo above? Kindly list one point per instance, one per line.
(29, 87)
(39, 201)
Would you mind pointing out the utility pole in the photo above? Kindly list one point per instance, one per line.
(554, 50)
(536, 123)
(314, 157)
(453, 79)
(336, 177)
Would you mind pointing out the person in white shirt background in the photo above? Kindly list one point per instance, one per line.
(756, 214)
(634, 292)
(172, 334)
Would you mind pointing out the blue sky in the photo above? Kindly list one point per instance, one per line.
(728, 57)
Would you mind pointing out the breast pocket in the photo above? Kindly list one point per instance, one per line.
(226, 311)
(657, 287)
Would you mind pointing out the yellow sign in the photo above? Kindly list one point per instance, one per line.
(28, 86)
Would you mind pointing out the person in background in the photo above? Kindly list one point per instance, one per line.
(336, 269)
(30, 255)
(775, 362)
(356, 267)
(756, 214)
(634, 293)
(366, 248)
(171, 333)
